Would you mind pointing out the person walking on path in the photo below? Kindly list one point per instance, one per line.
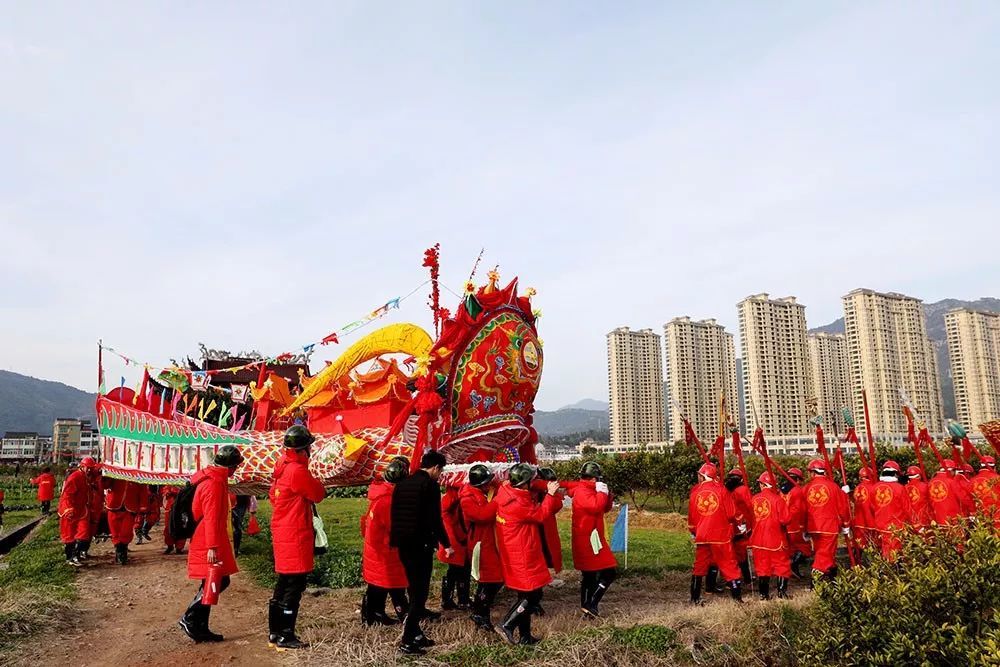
(211, 545)
(46, 483)
(417, 530)
(293, 495)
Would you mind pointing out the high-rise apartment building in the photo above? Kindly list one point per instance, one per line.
(635, 387)
(889, 352)
(974, 349)
(829, 375)
(701, 369)
(775, 364)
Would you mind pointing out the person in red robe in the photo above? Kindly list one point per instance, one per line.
(122, 500)
(863, 525)
(769, 539)
(46, 483)
(947, 499)
(711, 515)
(294, 494)
(591, 552)
(891, 509)
(916, 490)
(795, 500)
(211, 545)
(963, 480)
(95, 508)
(456, 579)
(480, 514)
(736, 484)
(380, 565)
(73, 510)
(172, 544)
(986, 490)
(827, 515)
(519, 539)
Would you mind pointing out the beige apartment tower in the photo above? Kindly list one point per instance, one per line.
(701, 368)
(829, 376)
(775, 364)
(635, 387)
(974, 348)
(889, 352)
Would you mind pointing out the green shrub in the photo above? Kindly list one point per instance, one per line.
(936, 606)
(657, 639)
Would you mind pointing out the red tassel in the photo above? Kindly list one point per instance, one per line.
(253, 528)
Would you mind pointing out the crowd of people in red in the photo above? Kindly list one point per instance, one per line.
(785, 525)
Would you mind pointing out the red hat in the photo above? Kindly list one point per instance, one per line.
(88, 462)
(766, 478)
(913, 471)
(817, 466)
(738, 473)
(891, 465)
(708, 470)
(987, 460)
(966, 469)
(794, 472)
(865, 473)
(947, 464)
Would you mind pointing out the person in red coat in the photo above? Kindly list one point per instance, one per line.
(519, 539)
(95, 508)
(736, 484)
(795, 500)
(172, 544)
(827, 515)
(456, 579)
(480, 514)
(916, 489)
(864, 526)
(46, 483)
(380, 565)
(294, 494)
(891, 509)
(73, 510)
(711, 515)
(963, 479)
(551, 541)
(769, 540)
(946, 497)
(986, 490)
(211, 545)
(122, 500)
(591, 553)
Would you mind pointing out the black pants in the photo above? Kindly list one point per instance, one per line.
(288, 591)
(375, 597)
(486, 595)
(239, 513)
(418, 561)
(46, 506)
(590, 582)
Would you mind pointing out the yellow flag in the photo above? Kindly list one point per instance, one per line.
(353, 447)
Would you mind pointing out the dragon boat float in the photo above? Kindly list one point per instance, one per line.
(468, 391)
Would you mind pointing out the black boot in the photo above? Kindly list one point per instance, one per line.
(206, 634)
(286, 636)
(832, 573)
(764, 586)
(462, 593)
(400, 603)
(736, 590)
(745, 570)
(783, 589)
(274, 622)
(190, 622)
(696, 590)
(797, 561)
(524, 628)
(83, 549)
(512, 620)
(596, 595)
(121, 554)
(448, 593)
(712, 580)
(585, 592)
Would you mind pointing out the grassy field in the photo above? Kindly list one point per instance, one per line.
(19, 499)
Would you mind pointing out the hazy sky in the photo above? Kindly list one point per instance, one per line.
(250, 175)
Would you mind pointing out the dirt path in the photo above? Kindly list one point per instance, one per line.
(128, 616)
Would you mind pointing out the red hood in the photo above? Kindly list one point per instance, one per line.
(214, 472)
(379, 489)
(290, 456)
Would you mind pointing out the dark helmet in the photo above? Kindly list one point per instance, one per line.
(228, 457)
(480, 475)
(548, 474)
(591, 470)
(298, 437)
(397, 470)
(521, 474)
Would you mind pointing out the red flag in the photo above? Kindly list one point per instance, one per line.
(332, 338)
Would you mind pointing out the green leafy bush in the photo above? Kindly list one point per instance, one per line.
(657, 639)
(939, 605)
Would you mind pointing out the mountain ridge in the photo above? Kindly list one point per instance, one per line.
(31, 404)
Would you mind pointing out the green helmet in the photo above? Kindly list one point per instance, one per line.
(397, 470)
(298, 437)
(521, 474)
(480, 475)
(548, 474)
(228, 457)
(591, 470)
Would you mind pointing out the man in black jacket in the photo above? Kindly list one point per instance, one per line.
(416, 530)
